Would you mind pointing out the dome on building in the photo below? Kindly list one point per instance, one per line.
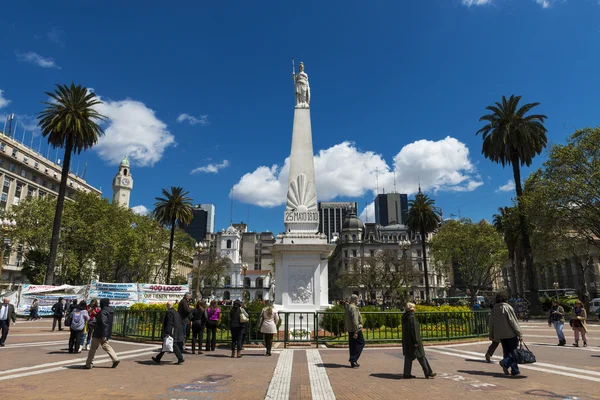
(231, 229)
(125, 161)
(352, 222)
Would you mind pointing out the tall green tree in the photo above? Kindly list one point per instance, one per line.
(69, 121)
(506, 224)
(170, 210)
(474, 251)
(511, 137)
(423, 217)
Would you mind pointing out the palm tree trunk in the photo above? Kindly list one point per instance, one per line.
(424, 247)
(60, 202)
(535, 306)
(170, 266)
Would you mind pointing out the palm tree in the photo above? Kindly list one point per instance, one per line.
(511, 137)
(170, 210)
(70, 121)
(423, 217)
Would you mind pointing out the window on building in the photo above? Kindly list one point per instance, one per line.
(33, 178)
(228, 243)
(23, 172)
(3, 146)
(370, 238)
(53, 187)
(30, 191)
(26, 160)
(420, 266)
(14, 153)
(418, 253)
(353, 253)
(19, 190)
(385, 238)
(421, 281)
(346, 238)
(11, 167)
(346, 253)
(372, 253)
(44, 182)
(354, 238)
(395, 238)
(36, 165)
(422, 294)
(346, 266)
(42, 194)
(3, 200)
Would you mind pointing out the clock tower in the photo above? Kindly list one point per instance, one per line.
(122, 184)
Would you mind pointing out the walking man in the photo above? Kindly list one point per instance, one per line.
(353, 324)
(101, 335)
(7, 314)
(505, 328)
(185, 311)
(172, 326)
(412, 345)
(557, 318)
(59, 310)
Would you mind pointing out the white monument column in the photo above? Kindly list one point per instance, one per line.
(301, 252)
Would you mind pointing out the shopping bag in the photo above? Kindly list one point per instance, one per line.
(523, 355)
(167, 344)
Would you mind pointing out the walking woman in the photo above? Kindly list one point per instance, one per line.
(237, 329)
(578, 323)
(412, 345)
(505, 328)
(267, 324)
(34, 310)
(198, 318)
(93, 311)
(557, 318)
(79, 317)
(212, 321)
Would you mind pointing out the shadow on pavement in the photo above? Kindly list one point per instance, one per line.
(150, 362)
(389, 376)
(549, 395)
(491, 374)
(324, 365)
(477, 361)
(595, 355)
(62, 351)
(217, 355)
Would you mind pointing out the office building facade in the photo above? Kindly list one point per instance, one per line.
(332, 215)
(391, 209)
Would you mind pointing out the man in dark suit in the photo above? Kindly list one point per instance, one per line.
(7, 313)
(172, 326)
(58, 311)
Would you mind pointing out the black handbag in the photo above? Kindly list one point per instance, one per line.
(523, 355)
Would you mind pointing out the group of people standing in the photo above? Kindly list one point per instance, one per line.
(578, 322)
(177, 325)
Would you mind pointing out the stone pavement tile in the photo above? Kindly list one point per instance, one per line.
(380, 377)
(214, 376)
(300, 384)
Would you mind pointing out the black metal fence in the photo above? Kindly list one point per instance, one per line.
(320, 327)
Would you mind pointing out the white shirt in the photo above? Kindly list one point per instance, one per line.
(4, 312)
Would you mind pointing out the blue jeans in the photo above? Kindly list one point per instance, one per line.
(559, 330)
(508, 346)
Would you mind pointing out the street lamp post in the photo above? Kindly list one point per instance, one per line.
(6, 226)
(556, 289)
(199, 249)
(244, 272)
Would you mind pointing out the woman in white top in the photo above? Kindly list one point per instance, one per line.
(268, 322)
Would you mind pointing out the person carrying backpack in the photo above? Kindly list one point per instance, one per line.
(78, 318)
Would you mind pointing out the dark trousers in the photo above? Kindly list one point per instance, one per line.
(492, 348)
(508, 345)
(75, 341)
(186, 331)
(177, 346)
(211, 337)
(356, 346)
(268, 341)
(59, 319)
(197, 337)
(237, 334)
(424, 364)
(4, 325)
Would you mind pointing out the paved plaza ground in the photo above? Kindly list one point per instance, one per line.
(35, 365)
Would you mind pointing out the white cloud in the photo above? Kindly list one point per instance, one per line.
(508, 187)
(470, 3)
(202, 120)
(211, 168)
(346, 171)
(133, 130)
(56, 35)
(141, 210)
(35, 58)
(3, 100)
(368, 213)
(544, 3)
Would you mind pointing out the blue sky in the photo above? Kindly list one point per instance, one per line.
(200, 94)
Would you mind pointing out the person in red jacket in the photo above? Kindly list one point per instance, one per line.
(93, 311)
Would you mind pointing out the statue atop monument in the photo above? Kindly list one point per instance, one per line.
(302, 87)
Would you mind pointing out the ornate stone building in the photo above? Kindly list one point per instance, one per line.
(359, 241)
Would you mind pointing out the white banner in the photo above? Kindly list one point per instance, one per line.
(114, 287)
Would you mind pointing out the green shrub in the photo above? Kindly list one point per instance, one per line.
(390, 318)
(333, 321)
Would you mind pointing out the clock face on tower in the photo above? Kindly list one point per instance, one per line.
(125, 181)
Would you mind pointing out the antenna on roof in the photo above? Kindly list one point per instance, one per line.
(40, 146)
(231, 207)
(9, 118)
(23, 140)
(48, 152)
(367, 211)
(32, 136)
(395, 182)
(77, 172)
(84, 170)
(377, 178)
